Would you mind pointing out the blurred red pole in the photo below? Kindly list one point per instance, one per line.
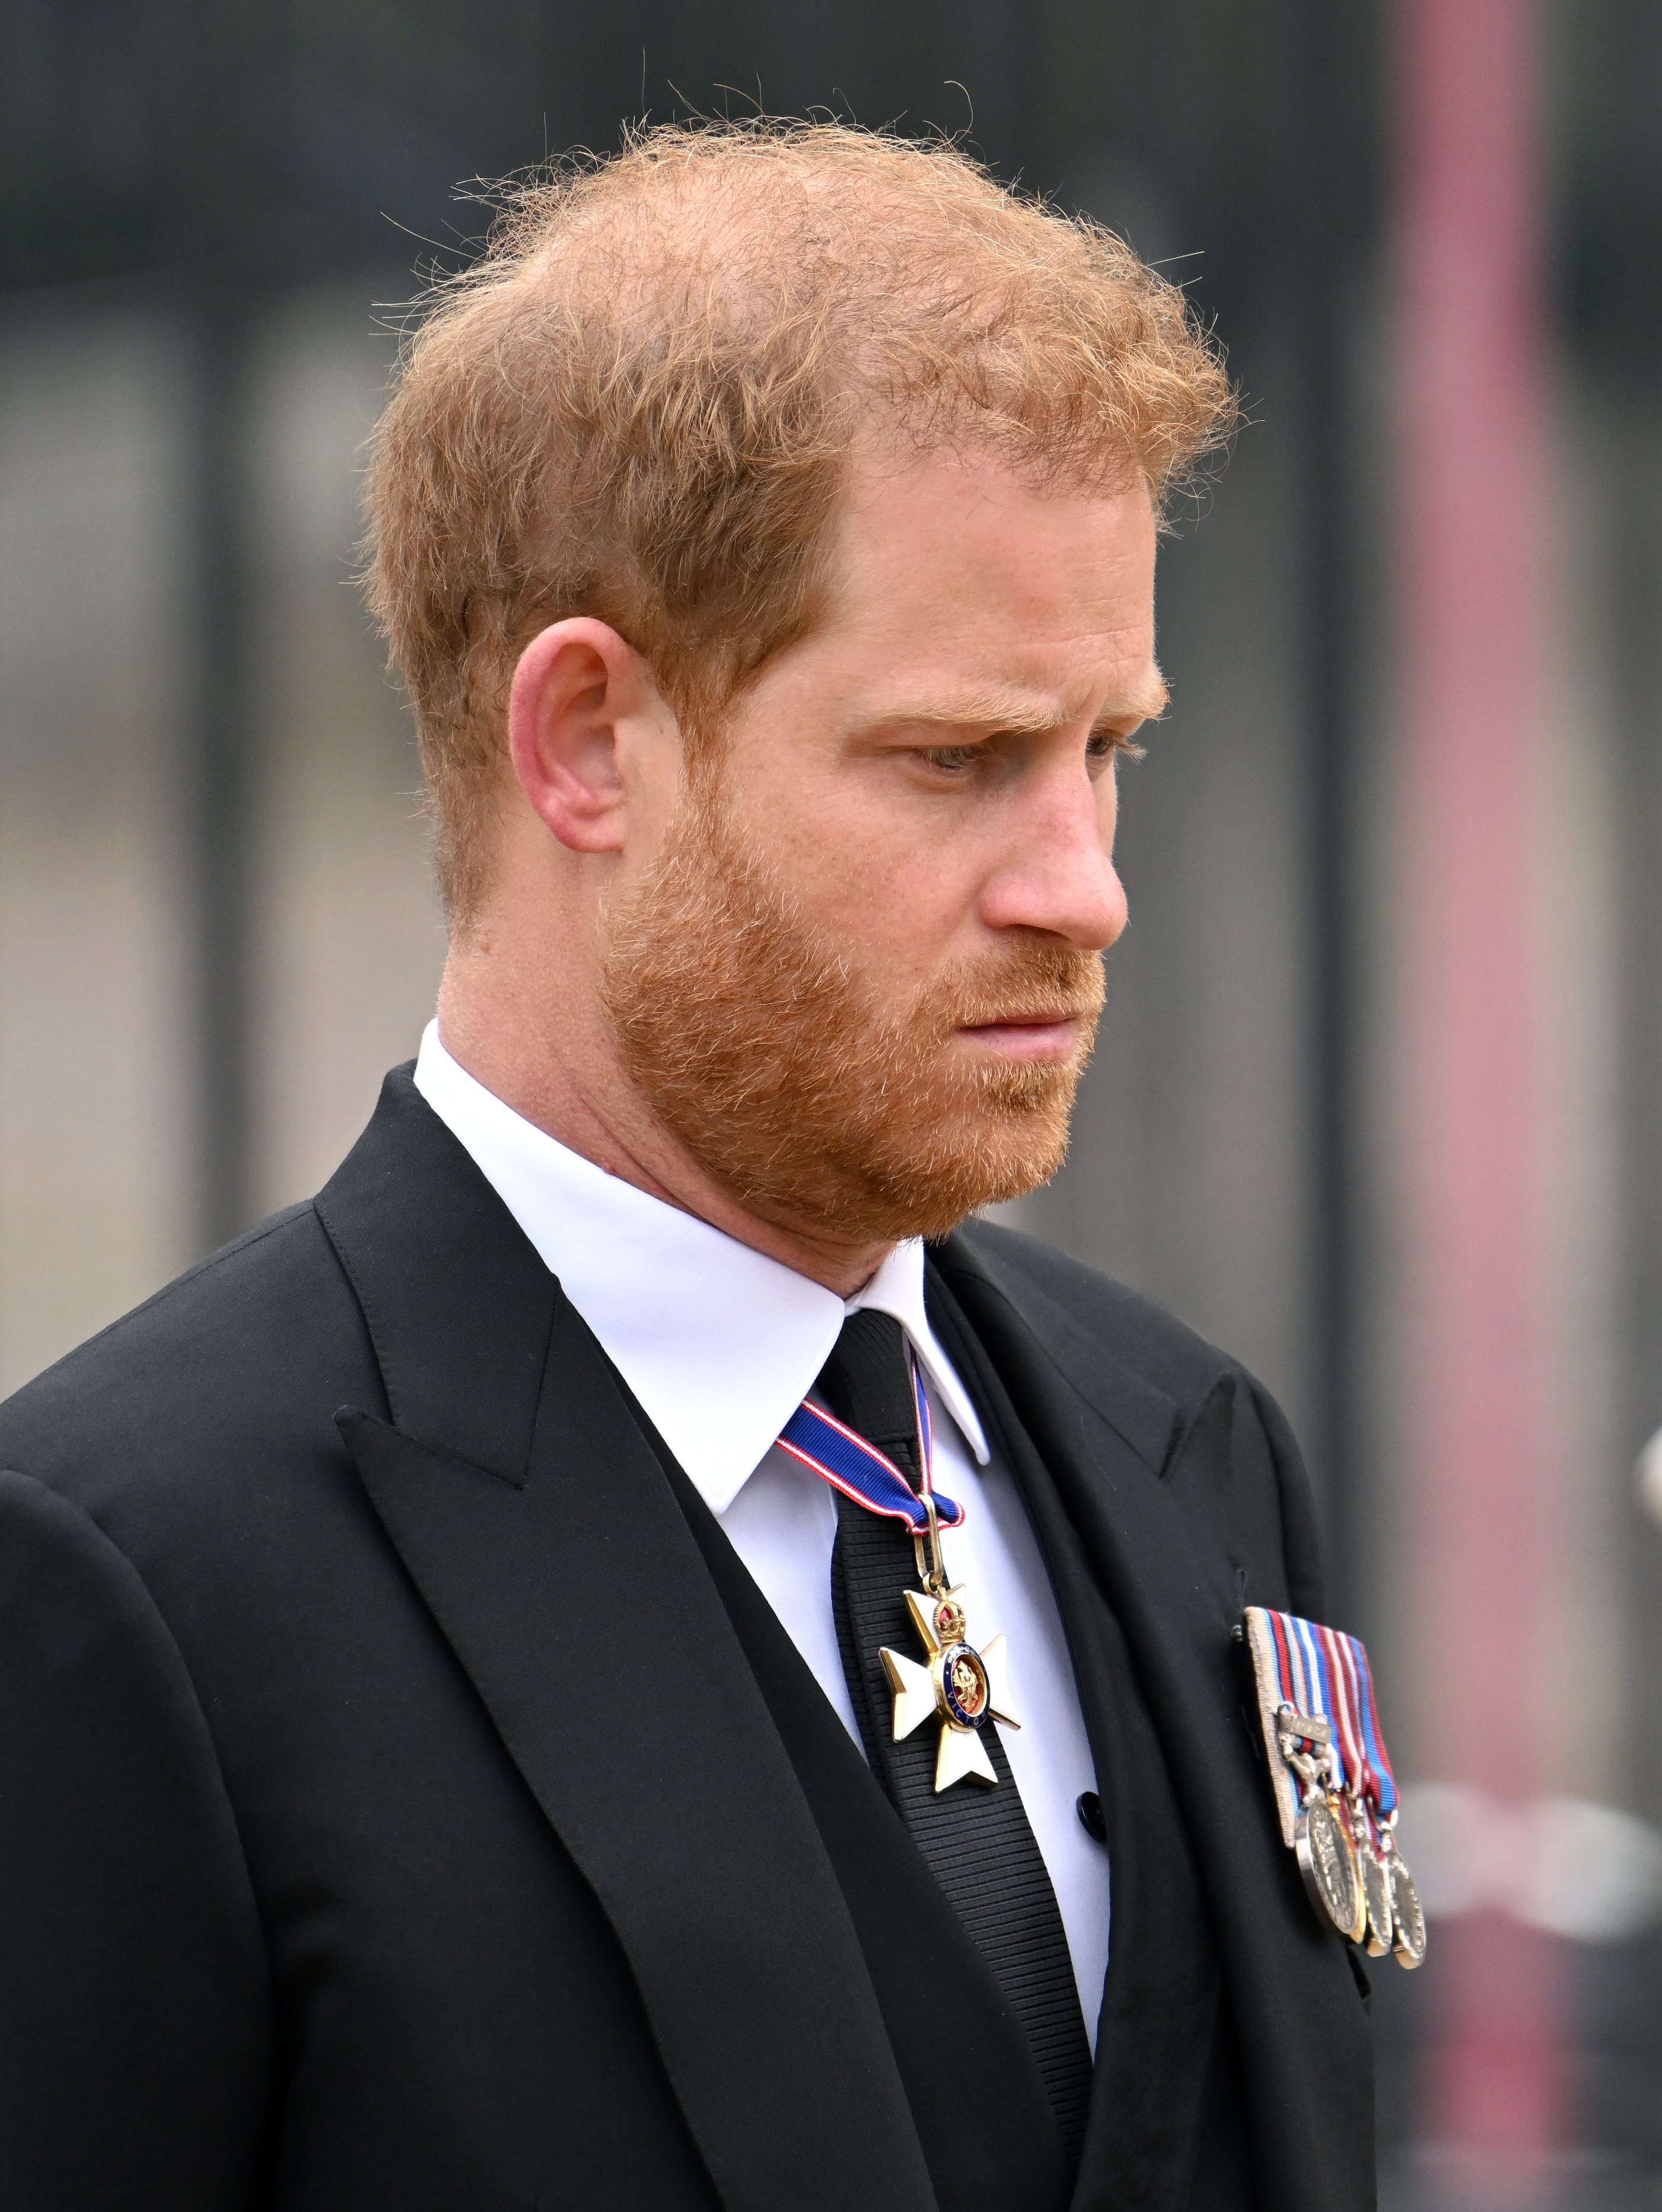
(1471, 372)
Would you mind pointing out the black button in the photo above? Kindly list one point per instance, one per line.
(1090, 1816)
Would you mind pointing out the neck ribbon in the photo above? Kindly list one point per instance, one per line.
(842, 1457)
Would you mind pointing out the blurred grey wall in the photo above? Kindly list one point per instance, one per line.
(100, 1114)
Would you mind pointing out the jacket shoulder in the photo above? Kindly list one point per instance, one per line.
(213, 1370)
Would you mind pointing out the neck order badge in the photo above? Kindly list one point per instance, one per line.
(961, 1686)
(1335, 1792)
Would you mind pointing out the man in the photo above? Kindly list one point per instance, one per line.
(512, 1672)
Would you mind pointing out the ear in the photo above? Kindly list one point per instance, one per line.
(574, 684)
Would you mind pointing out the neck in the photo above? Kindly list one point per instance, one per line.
(549, 1054)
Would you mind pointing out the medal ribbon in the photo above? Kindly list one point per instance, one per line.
(1322, 1672)
(841, 1456)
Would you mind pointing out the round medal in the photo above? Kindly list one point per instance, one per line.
(1376, 1896)
(1408, 1919)
(1327, 1861)
(963, 1686)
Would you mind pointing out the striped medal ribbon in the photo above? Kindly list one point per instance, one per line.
(842, 1457)
(1335, 1792)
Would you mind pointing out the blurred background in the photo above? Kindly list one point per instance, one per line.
(1379, 1101)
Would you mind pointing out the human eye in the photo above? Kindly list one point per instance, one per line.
(1103, 746)
(953, 760)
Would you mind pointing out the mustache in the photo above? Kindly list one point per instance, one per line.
(1021, 983)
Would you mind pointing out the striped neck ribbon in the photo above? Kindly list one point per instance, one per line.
(1324, 1672)
(842, 1457)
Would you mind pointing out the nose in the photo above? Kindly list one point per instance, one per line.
(1055, 872)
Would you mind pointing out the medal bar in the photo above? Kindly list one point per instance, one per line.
(1335, 1796)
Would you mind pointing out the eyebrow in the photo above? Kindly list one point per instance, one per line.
(993, 707)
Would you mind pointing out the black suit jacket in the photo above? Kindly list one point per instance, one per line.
(407, 1800)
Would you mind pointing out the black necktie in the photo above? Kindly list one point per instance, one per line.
(975, 1841)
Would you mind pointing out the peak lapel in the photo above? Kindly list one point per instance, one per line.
(1291, 1985)
(540, 1530)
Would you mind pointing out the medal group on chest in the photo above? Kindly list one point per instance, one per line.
(1335, 1792)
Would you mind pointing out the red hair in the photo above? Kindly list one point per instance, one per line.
(638, 402)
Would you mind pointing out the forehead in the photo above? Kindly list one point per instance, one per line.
(949, 568)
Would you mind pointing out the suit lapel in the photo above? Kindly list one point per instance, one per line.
(541, 1532)
(1102, 1440)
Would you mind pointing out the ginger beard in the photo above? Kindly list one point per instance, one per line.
(784, 1076)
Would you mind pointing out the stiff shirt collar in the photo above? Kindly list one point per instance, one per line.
(720, 1343)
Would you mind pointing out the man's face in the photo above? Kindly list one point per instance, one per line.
(860, 977)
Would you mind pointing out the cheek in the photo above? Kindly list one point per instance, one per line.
(883, 883)
(848, 864)
(899, 908)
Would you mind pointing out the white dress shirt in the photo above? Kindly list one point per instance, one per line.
(721, 1345)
